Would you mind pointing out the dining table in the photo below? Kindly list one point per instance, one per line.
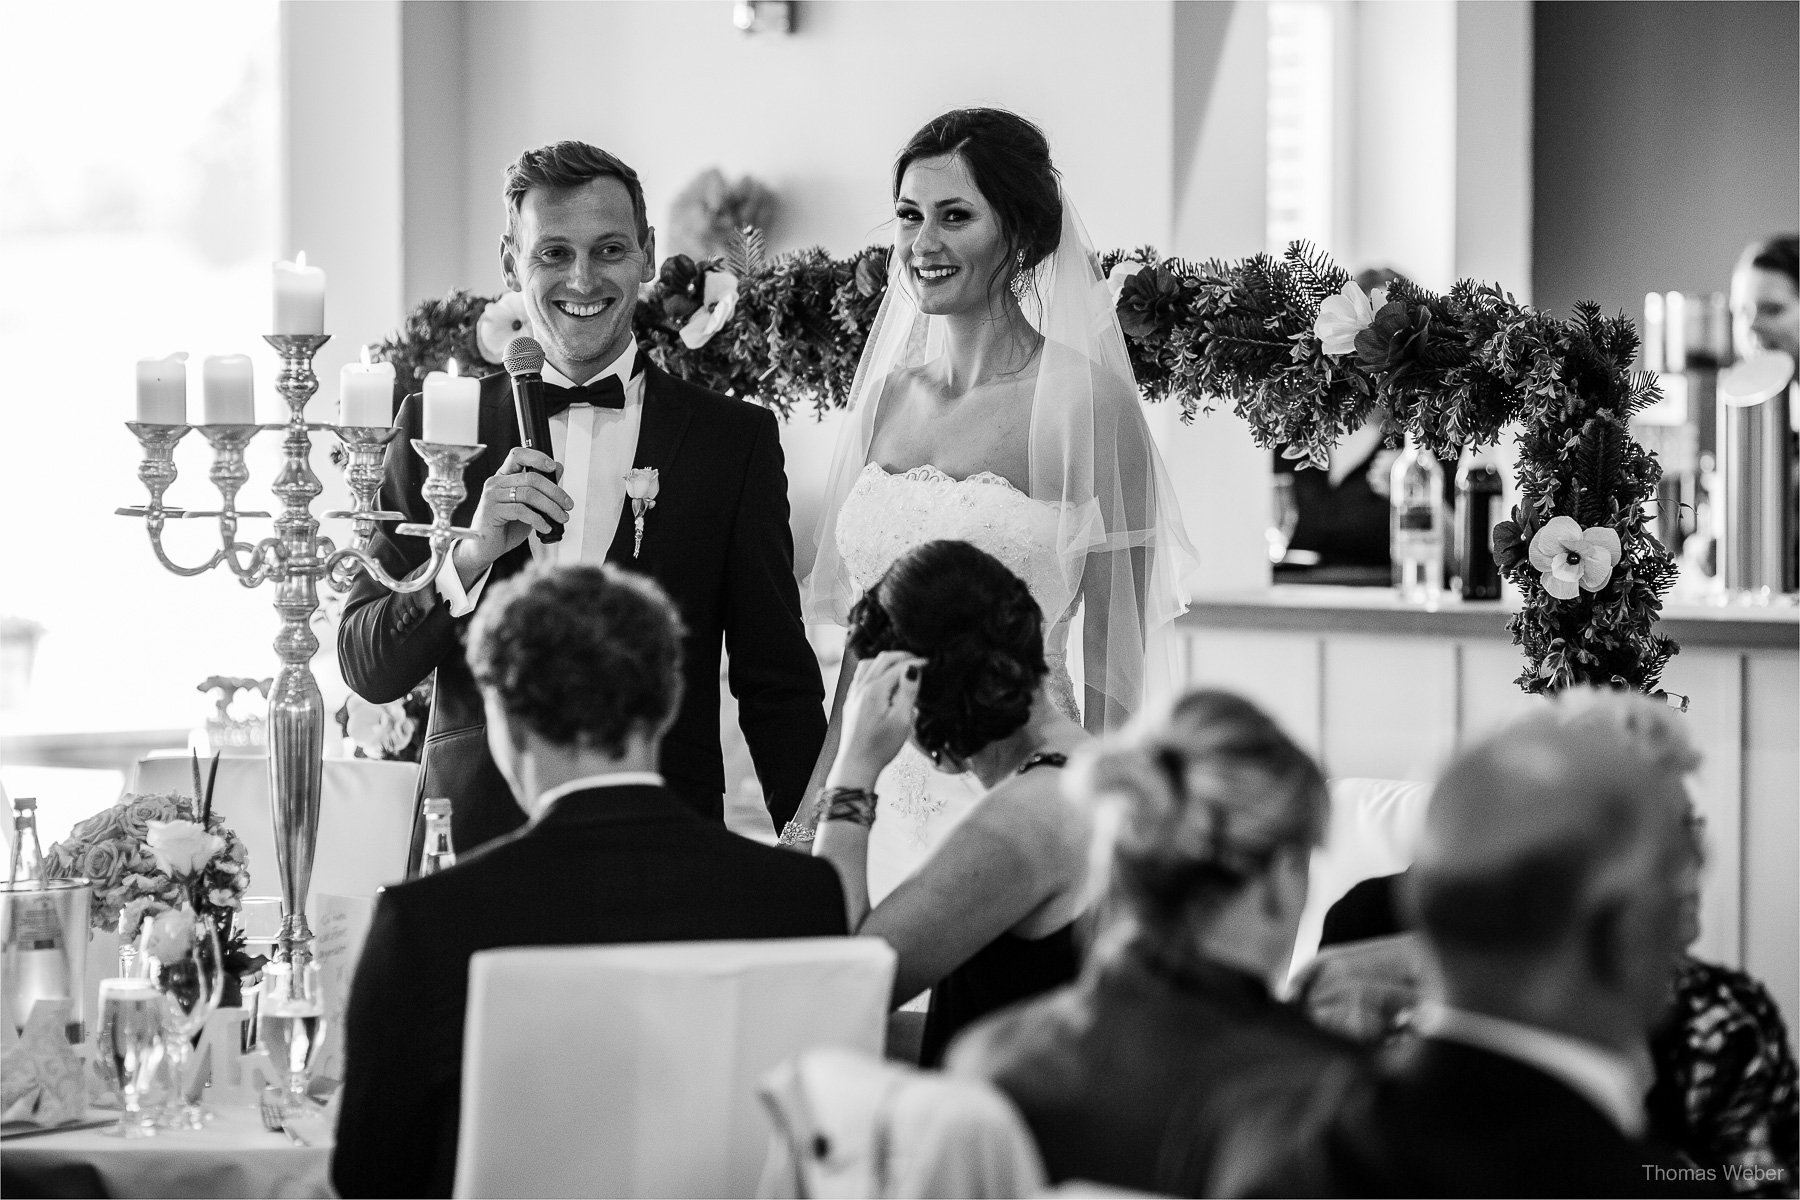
(234, 1155)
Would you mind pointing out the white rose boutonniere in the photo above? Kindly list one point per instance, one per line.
(710, 317)
(181, 848)
(642, 484)
(499, 323)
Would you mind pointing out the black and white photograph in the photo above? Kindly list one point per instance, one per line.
(900, 599)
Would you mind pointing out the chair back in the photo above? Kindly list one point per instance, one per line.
(1375, 829)
(632, 1070)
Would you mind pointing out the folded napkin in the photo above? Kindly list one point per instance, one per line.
(40, 1077)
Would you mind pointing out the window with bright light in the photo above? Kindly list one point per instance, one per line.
(136, 218)
(1302, 140)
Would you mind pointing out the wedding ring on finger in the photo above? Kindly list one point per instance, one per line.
(512, 495)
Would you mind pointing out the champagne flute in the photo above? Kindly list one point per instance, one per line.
(291, 1025)
(131, 1040)
(191, 978)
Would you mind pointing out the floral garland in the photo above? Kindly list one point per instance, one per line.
(1302, 355)
(1306, 357)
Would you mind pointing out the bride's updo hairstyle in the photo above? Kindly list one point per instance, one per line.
(1210, 799)
(978, 630)
(1009, 158)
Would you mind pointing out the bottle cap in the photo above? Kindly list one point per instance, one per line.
(25, 804)
(437, 806)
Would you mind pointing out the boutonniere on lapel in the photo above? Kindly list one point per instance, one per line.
(641, 485)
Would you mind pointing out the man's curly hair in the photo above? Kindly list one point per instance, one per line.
(582, 655)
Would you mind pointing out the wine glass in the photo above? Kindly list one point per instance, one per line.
(131, 1040)
(290, 1025)
(191, 979)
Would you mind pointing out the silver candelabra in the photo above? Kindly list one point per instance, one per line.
(297, 560)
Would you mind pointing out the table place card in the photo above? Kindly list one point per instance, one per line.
(340, 923)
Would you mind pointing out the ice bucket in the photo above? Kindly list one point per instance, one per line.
(44, 952)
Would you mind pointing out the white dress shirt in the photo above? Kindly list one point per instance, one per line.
(1608, 1080)
(596, 447)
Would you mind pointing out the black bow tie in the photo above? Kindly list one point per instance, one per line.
(605, 392)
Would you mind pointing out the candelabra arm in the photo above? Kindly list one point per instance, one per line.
(344, 564)
(265, 560)
(153, 523)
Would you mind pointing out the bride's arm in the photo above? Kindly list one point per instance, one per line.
(806, 818)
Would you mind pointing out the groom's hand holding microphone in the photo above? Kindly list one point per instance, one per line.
(522, 497)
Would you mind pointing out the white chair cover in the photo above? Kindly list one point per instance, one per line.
(851, 1125)
(1375, 829)
(632, 1070)
(365, 817)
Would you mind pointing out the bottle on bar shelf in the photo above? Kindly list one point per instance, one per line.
(438, 852)
(1478, 491)
(1416, 524)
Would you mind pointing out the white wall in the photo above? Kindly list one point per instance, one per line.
(819, 115)
(341, 189)
(1493, 144)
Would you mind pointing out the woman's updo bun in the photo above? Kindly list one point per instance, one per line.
(979, 631)
(1210, 797)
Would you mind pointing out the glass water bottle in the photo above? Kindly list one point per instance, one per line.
(1416, 524)
(438, 851)
(27, 856)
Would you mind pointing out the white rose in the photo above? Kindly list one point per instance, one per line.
(1342, 317)
(499, 323)
(1122, 270)
(710, 317)
(642, 483)
(169, 935)
(181, 848)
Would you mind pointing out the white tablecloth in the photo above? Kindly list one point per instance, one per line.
(232, 1156)
(365, 817)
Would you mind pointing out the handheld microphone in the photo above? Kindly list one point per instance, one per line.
(525, 364)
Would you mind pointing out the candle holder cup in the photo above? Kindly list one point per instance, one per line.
(366, 447)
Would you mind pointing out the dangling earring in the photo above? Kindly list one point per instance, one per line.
(1021, 280)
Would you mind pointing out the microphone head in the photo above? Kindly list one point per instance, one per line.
(524, 356)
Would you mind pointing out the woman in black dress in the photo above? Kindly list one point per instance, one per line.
(950, 654)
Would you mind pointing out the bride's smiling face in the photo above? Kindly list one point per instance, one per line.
(949, 239)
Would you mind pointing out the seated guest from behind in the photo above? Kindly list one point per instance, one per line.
(580, 670)
(950, 650)
(1121, 1077)
(1548, 897)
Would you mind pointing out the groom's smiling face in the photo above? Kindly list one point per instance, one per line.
(576, 258)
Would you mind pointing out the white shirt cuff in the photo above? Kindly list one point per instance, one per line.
(449, 586)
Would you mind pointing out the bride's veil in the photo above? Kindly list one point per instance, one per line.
(1120, 541)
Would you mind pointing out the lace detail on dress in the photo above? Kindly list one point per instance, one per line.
(887, 514)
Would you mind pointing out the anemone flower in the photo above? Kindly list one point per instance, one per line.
(1573, 559)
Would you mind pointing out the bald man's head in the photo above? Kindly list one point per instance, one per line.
(1536, 829)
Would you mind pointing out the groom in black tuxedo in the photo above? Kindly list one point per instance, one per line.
(577, 247)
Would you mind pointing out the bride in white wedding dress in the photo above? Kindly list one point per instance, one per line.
(994, 404)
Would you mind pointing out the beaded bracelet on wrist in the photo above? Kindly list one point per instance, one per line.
(856, 805)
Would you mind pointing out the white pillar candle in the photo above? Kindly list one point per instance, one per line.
(366, 393)
(162, 390)
(225, 393)
(299, 297)
(452, 408)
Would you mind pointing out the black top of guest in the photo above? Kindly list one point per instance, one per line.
(1548, 895)
(579, 668)
(950, 650)
(1132, 1077)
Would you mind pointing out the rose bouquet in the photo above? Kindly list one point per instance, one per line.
(148, 855)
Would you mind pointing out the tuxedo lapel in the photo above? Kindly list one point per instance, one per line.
(664, 423)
